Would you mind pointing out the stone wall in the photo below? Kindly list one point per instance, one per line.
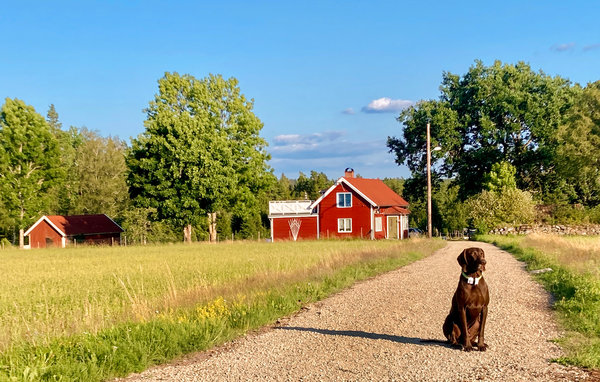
(582, 230)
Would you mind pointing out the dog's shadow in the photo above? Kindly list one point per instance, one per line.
(371, 336)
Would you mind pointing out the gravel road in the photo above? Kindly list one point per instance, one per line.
(373, 332)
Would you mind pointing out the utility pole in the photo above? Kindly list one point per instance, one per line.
(428, 182)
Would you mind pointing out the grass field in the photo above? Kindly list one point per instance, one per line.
(575, 283)
(93, 313)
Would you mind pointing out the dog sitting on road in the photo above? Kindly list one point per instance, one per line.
(466, 321)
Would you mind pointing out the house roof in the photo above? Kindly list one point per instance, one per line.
(378, 192)
(395, 211)
(79, 224)
(374, 191)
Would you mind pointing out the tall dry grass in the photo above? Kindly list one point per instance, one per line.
(581, 254)
(50, 293)
(574, 282)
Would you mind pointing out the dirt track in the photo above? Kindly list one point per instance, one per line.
(373, 332)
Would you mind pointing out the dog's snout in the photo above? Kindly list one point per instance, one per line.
(483, 262)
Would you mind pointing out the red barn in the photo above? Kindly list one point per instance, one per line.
(60, 231)
(352, 207)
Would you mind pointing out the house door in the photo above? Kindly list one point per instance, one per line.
(392, 227)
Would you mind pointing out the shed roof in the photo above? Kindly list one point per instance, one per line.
(79, 224)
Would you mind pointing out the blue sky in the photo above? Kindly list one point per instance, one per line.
(328, 77)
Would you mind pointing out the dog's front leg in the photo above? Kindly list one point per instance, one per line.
(464, 330)
(481, 346)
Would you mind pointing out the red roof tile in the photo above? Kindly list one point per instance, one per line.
(84, 224)
(378, 192)
(395, 211)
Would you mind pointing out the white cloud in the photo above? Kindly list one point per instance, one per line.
(331, 152)
(349, 111)
(591, 47)
(387, 105)
(328, 144)
(563, 47)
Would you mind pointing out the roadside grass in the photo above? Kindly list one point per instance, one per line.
(91, 314)
(574, 282)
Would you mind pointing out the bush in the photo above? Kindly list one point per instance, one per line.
(5, 243)
(509, 207)
(574, 214)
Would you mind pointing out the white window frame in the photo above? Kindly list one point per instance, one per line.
(345, 225)
(337, 200)
(378, 224)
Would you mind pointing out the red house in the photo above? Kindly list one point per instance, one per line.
(60, 231)
(352, 207)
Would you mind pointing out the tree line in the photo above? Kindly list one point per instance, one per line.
(198, 172)
(512, 141)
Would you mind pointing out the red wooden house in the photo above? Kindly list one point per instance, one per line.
(352, 207)
(60, 231)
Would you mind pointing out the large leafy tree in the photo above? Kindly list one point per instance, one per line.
(29, 164)
(200, 153)
(97, 175)
(579, 149)
(498, 113)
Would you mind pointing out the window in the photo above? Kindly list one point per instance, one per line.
(345, 225)
(344, 200)
(378, 224)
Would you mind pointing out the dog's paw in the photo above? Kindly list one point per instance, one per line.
(468, 348)
(482, 347)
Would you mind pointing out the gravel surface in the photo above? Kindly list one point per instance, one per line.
(373, 332)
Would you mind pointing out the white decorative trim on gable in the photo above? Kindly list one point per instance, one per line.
(47, 221)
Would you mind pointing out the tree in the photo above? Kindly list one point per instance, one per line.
(200, 153)
(310, 188)
(29, 164)
(450, 213)
(52, 119)
(489, 210)
(491, 114)
(502, 176)
(283, 188)
(579, 148)
(396, 184)
(97, 175)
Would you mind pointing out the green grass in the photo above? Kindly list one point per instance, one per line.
(91, 314)
(575, 284)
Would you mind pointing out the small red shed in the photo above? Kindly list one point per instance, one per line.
(352, 207)
(60, 231)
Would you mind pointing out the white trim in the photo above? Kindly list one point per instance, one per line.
(373, 224)
(401, 227)
(63, 241)
(292, 216)
(51, 224)
(272, 232)
(337, 183)
(318, 222)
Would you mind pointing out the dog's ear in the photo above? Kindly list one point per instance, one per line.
(462, 258)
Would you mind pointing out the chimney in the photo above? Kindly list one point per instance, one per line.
(349, 173)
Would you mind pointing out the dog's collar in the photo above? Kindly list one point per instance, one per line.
(472, 280)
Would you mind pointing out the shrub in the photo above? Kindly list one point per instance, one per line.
(509, 207)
